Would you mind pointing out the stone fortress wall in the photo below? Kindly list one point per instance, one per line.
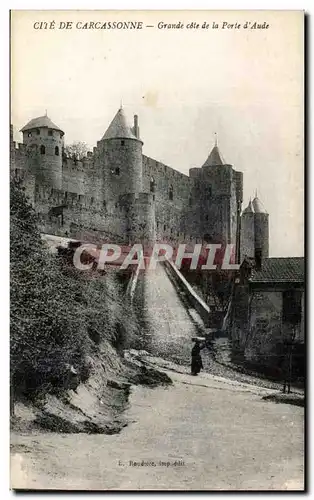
(117, 194)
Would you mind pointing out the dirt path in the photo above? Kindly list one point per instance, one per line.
(171, 322)
(202, 433)
(220, 434)
(168, 324)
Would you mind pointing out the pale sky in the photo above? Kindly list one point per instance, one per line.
(185, 85)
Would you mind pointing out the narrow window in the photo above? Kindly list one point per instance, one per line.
(49, 132)
(190, 201)
(37, 131)
(122, 142)
(209, 191)
(92, 201)
(104, 204)
(57, 151)
(206, 217)
(42, 150)
(165, 227)
(171, 192)
(117, 171)
(152, 185)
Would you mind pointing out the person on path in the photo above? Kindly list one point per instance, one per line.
(196, 363)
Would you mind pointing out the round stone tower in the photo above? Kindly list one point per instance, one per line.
(261, 228)
(254, 239)
(44, 142)
(121, 149)
(247, 236)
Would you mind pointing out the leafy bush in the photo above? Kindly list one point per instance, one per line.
(47, 332)
(58, 314)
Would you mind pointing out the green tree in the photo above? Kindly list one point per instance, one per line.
(47, 334)
(77, 150)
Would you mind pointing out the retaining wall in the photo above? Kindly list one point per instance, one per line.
(198, 304)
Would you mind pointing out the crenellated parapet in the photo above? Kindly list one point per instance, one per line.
(117, 190)
(55, 197)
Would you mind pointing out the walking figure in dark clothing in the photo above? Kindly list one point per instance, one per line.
(196, 364)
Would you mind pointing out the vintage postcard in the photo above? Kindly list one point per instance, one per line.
(157, 250)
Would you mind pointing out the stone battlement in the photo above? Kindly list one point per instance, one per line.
(116, 189)
(66, 198)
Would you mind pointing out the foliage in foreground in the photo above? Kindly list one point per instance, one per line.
(46, 326)
(57, 314)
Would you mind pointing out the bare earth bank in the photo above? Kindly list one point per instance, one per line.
(201, 433)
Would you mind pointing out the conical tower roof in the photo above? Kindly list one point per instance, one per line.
(258, 206)
(119, 128)
(214, 158)
(249, 208)
(40, 122)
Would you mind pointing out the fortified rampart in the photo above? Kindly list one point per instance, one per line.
(116, 192)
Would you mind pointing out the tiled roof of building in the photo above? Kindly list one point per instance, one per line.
(279, 270)
(119, 128)
(214, 158)
(40, 122)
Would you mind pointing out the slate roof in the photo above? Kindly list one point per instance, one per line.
(279, 270)
(249, 208)
(119, 128)
(258, 206)
(214, 158)
(255, 207)
(41, 121)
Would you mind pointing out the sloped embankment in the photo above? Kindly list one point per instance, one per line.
(95, 406)
(69, 329)
(96, 402)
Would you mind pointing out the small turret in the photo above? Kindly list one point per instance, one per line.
(44, 142)
(255, 231)
(258, 206)
(247, 235)
(122, 157)
(249, 208)
(261, 225)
